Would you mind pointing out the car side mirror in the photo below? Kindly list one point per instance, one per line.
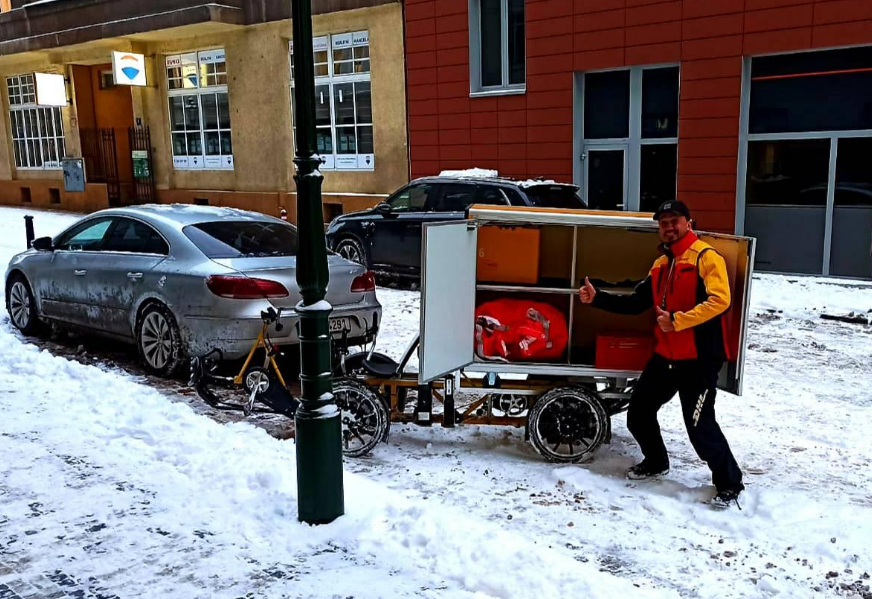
(42, 244)
(383, 208)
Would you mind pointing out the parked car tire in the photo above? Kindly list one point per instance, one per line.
(21, 306)
(159, 341)
(352, 249)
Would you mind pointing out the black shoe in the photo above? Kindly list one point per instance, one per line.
(725, 499)
(644, 470)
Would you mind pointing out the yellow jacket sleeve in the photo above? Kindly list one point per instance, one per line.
(713, 270)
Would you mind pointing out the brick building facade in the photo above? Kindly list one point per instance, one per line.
(536, 130)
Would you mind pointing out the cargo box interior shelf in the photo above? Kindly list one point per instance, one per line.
(548, 262)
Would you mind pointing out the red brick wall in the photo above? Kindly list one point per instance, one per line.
(531, 135)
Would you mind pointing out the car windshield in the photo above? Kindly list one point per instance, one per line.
(554, 196)
(243, 239)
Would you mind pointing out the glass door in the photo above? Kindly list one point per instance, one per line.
(605, 177)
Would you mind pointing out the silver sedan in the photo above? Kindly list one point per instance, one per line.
(178, 281)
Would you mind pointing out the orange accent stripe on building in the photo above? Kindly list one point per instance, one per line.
(815, 74)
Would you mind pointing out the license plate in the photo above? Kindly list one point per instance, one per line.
(337, 325)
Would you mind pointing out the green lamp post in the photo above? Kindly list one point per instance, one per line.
(318, 428)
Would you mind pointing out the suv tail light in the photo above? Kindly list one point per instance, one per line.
(363, 283)
(237, 287)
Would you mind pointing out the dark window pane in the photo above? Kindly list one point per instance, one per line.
(322, 105)
(411, 199)
(192, 112)
(363, 101)
(517, 58)
(231, 239)
(324, 141)
(346, 142)
(194, 144)
(213, 143)
(605, 185)
(133, 236)
(788, 173)
(812, 91)
(852, 214)
(226, 143)
(343, 103)
(657, 176)
(210, 111)
(514, 196)
(786, 203)
(555, 196)
(660, 102)
(491, 43)
(854, 172)
(177, 114)
(179, 147)
(454, 197)
(607, 105)
(223, 111)
(364, 140)
(490, 195)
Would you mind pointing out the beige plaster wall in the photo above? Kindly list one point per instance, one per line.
(259, 94)
(258, 69)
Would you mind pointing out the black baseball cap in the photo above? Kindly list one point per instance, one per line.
(675, 206)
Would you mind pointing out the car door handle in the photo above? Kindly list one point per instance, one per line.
(80, 273)
(134, 276)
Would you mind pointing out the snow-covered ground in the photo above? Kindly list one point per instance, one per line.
(113, 488)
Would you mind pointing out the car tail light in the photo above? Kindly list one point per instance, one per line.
(245, 287)
(364, 282)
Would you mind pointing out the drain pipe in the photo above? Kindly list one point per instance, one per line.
(28, 230)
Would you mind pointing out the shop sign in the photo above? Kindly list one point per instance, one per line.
(128, 68)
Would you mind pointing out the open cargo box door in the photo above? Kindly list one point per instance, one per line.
(738, 253)
(447, 298)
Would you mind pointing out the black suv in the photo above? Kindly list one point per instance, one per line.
(387, 238)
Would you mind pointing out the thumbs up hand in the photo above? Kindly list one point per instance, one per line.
(664, 319)
(587, 292)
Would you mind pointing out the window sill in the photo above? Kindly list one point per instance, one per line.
(505, 91)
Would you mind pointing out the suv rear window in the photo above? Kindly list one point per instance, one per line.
(243, 239)
(554, 196)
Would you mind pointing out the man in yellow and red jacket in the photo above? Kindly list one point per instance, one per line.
(689, 290)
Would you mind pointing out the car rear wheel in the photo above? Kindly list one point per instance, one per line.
(159, 341)
(22, 307)
(351, 249)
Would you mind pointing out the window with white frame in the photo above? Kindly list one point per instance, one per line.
(497, 45)
(343, 101)
(199, 110)
(37, 132)
(630, 137)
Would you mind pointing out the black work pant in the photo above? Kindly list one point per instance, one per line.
(695, 383)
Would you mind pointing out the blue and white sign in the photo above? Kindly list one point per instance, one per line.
(128, 68)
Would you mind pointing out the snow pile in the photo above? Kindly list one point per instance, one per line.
(471, 173)
(809, 297)
(109, 485)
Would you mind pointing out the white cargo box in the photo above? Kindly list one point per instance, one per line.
(607, 246)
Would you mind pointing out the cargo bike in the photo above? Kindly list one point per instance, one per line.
(536, 256)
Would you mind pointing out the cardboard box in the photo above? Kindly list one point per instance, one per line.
(508, 255)
(623, 350)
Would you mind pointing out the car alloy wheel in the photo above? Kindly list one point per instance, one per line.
(156, 340)
(20, 305)
(351, 250)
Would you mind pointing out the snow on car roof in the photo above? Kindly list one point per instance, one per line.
(471, 173)
(483, 173)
